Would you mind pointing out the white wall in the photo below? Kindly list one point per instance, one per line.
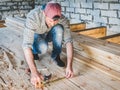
(93, 12)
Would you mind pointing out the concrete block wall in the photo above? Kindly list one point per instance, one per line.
(15, 7)
(93, 12)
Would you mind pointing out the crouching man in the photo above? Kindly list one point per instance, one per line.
(44, 25)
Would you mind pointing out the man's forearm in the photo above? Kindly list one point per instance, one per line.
(30, 60)
(69, 50)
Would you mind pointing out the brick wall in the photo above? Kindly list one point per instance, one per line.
(93, 12)
(15, 7)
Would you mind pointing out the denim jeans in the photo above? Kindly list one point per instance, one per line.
(55, 35)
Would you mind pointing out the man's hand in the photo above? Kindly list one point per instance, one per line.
(36, 78)
(69, 72)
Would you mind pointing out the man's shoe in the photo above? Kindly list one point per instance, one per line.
(59, 62)
(36, 57)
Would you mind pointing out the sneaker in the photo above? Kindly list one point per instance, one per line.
(59, 62)
(36, 57)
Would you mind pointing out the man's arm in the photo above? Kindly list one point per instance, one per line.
(30, 60)
(69, 51)
(35, 75)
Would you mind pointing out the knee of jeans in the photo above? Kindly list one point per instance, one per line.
(43, 48)
(58, 30)
(58, 27)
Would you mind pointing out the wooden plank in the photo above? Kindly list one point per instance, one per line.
(97, 35)
(8, 60)
(112, 38)
(90, 83)
(101, 56)
(2, 23)
(105, 58)
(57, 72)
(81, 79)
(86, 81)
(96, 32)
(84, 78)
(105, 54)
(77, 26)
(15, 21)
(105, 79)
(97, 66)
(96, 43)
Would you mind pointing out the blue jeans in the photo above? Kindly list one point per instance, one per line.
(55, 35)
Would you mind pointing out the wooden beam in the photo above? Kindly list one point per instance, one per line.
(115, 38)
(87, 61)
(15, 22)
(97, 66)
(96, 32)
(2, 23)
(77, 26)
(100, 51)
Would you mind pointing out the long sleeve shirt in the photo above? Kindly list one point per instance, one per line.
(35, 23)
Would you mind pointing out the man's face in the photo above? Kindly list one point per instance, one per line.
(50, 22)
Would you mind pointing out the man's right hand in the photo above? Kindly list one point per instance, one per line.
(36, 78)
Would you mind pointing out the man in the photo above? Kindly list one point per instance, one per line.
(45, 25)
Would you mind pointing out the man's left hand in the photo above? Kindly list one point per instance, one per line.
(69, 72)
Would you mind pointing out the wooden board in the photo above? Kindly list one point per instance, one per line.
(84, 46)
(115, 38)
(15, 22)
(83, 81)
(2, 23)
(96, 32)
(77, 26)
(99, 51)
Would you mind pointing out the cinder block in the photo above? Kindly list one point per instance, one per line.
(115, 6)
(65, 4)
(101, 5)
(70, 10)
(100, 19)
(67, 15)
(10, 3)
(86, 5)
(114, 28)
(109, 13)
(92, 24)
(78, 10)
(93, 12)
(86, 17)
(75, 16)
(72, 21)
(75, 5)
(114, 21)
